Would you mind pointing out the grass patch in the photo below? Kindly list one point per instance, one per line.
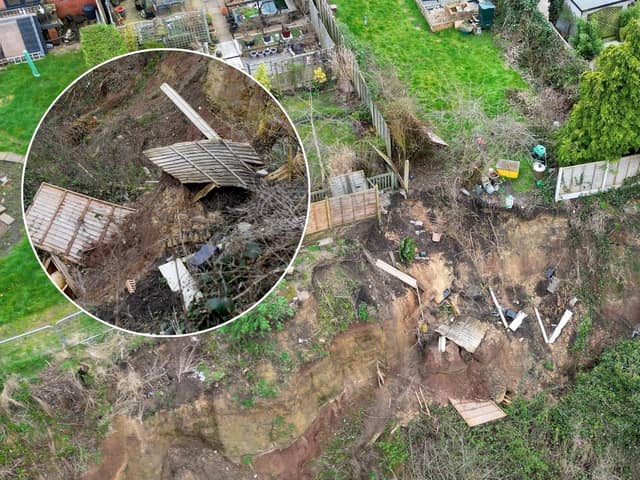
(438, 68)
(333, 123)
(25, 292)
(24, 98)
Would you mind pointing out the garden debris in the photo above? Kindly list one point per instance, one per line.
(477, 412)
(325, 242)
(442, 344)
(190, 113)
(4, 180)
(205, 252)
(554, 283)
(68, 224)
(542, 329)
(550, 272)
(566, 316)
(436, 237)
(223, 163)
(403, 277)
(6, 219)
(131, 285)
(467, 333)
(515, 324)
(498, 307)
(180, 280)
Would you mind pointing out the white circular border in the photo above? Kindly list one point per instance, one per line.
(210, 57)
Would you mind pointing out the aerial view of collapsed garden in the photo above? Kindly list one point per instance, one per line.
(465, 301)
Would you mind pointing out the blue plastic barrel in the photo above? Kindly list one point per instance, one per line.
(89, 12)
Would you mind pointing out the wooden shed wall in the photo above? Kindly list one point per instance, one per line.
(68, 223)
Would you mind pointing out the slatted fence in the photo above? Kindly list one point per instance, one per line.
(343, 210)
(595, 177)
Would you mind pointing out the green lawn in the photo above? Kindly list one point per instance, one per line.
(24, 98)
(437, 67)
(26, 294)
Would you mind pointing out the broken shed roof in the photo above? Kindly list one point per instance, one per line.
(466, 333)
(68, 223)
(224, 163)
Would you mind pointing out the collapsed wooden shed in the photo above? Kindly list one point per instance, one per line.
(67, 223)
(223, 163)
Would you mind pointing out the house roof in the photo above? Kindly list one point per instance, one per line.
(223, 163)
(67, 223)
(586, 5)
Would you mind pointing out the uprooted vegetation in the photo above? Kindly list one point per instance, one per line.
(92, 142)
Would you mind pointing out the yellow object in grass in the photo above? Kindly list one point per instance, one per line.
(508, 168)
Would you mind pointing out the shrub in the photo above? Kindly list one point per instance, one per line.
(262, 76)
(605, 123)
(407, 251)
(587, 41)
(100, 43)
(267, 315)
(627, 15)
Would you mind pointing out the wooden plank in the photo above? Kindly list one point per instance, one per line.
(542, 329)
(498, 307)
(190, 113)
(6, 219)
(566, 316)
(403, 277)
(390, 163)
(476, 413)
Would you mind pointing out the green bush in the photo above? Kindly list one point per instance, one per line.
(587, 41)
(605, 123)
(266, 316)
(407, 250)
(100, 43)
(627, 16)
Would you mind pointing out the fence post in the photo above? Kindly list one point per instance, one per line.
(327, 206)
(379, 213)
(604, 177)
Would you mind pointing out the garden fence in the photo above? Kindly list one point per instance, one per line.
(290, 74)
(188, 30)
(595, 177)
(345, 209)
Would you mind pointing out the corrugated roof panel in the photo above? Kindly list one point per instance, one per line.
(67, 223)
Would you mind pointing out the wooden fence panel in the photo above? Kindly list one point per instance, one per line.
(595, 177)
(336, 211)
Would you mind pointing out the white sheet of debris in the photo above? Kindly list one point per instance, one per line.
(179, 279)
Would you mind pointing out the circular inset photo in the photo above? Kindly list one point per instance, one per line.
(165, 192)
